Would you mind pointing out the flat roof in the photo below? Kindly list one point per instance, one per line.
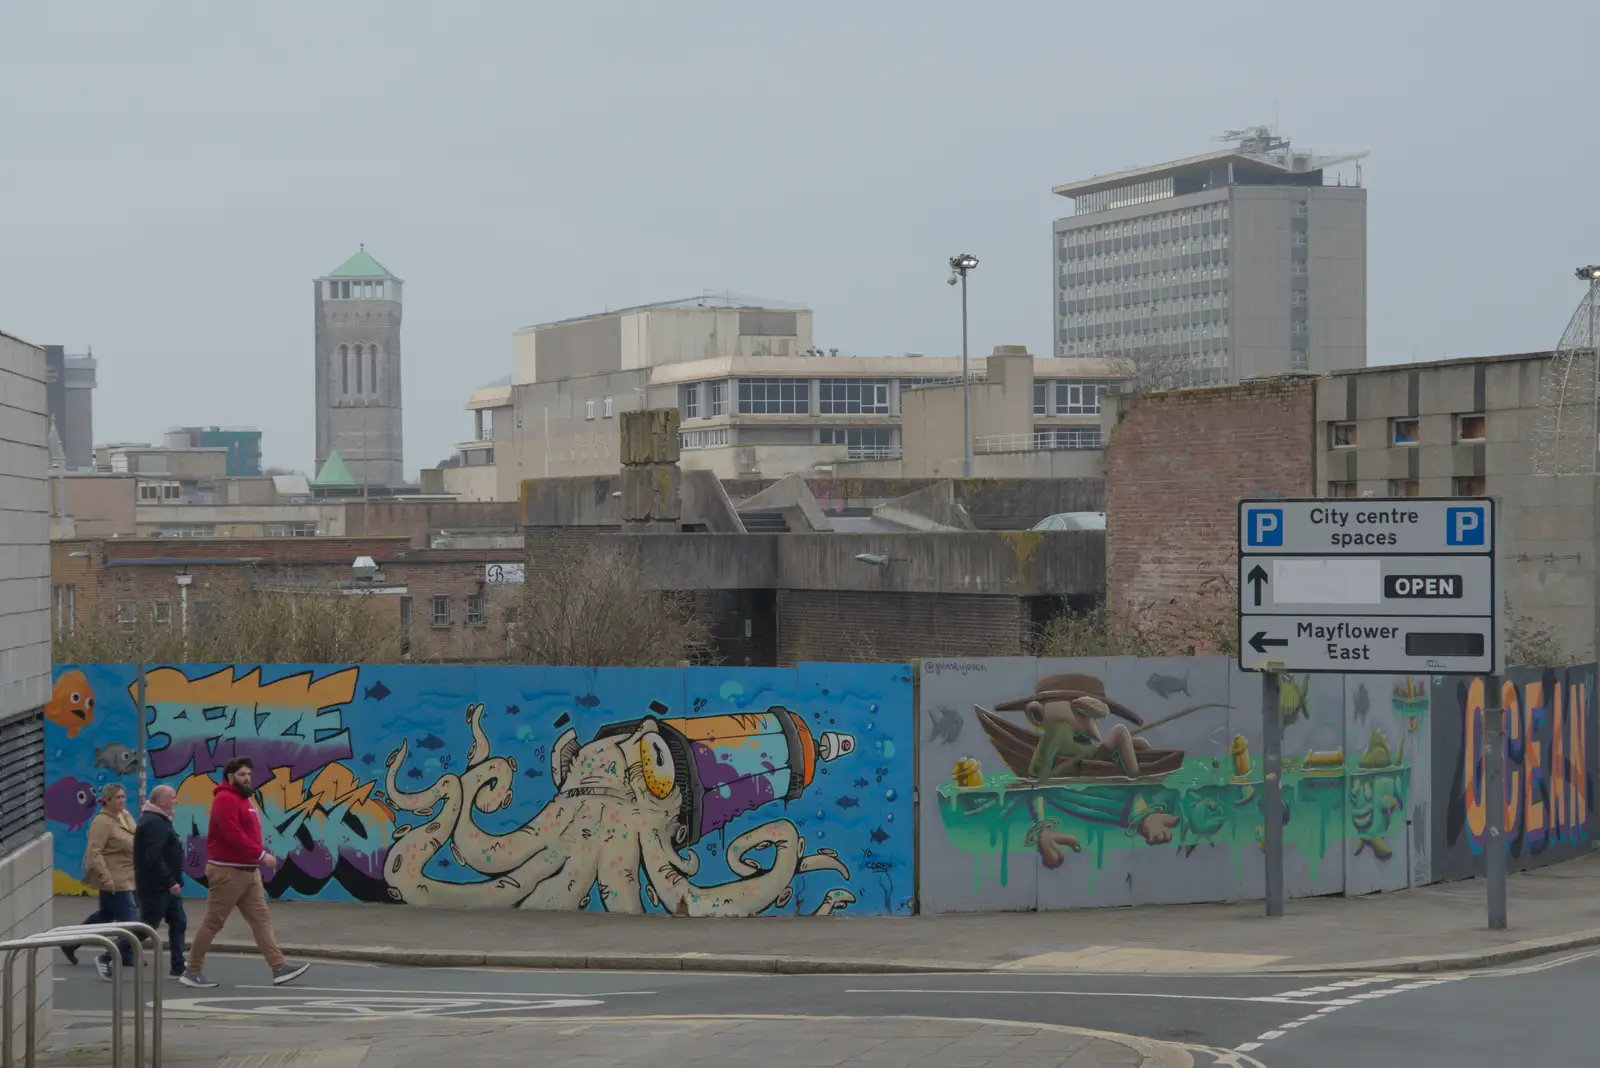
(709, 300)
(1163, 170)
(1424, 365)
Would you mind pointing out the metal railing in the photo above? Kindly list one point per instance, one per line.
(1040, 442)
(110, 936)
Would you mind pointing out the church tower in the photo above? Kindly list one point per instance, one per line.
(358, 371)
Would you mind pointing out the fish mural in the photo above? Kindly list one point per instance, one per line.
(696, 791)
(71, 704)
(71, 802)
(1145, 784)
(947, 724)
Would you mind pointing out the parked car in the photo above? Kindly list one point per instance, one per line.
(1072, 521)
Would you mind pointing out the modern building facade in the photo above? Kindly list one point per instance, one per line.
(70, 393)
(358, 370)
(243, 445)
(25, 851)
(757, 399)
(1233, 264)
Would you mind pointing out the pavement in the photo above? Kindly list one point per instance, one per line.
(1426, 929)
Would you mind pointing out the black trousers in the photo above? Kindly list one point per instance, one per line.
(165, 905)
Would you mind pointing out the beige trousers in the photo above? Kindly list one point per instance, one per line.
(229, 889)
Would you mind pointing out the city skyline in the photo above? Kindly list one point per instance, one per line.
(173, 228)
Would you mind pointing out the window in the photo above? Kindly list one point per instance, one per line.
(719, 398)
(358, 369)
(1469, 486)
(372, 368)
(853, 396)
(1041, 398)
(1471, 427)
(476, 615)
(703, 439)
(206, 613)
(127, 613)
(689, 401)
(588, 408)
(607, 408)
(1067, 437)
(1341, 489)
(861, 442)
(774, 396)
(161, 611)
(1402, 432)
(405, 626)
(441, 611)
(1342, 436)
(1404, 487)
(298, 529)
(1077, 398)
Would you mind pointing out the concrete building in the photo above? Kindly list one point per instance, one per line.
(1240, 262)
(71, 399)
(25, 844)
(358, 370)
(243, 445)
(757, 400)
(1177, 463)
(447, 604)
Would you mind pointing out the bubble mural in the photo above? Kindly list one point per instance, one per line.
(700, 791)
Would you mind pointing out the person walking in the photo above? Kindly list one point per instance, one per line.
(158, 870)
(234, 856)
(108, 868)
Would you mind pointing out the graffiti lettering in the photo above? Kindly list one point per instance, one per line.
(1545, 761)
(198, 725)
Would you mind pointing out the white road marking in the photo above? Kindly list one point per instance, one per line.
(1246, 1047)
(286, 990)
(1268, 1036)
(1266, 999)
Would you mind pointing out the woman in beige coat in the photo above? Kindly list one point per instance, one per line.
(108, 868)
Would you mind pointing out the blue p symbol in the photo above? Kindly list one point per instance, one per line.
(1264, 526)
(1464, 526)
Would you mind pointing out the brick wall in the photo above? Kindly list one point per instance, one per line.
(891, 626)
(91, 569)
(1177, 465)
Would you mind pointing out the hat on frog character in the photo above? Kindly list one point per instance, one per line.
(1087, 694)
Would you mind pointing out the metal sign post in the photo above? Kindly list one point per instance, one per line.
(1494, 799)
(1272, 792)
(1403, 586)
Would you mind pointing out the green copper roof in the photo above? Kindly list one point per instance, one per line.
(361, 265)
(334, 472)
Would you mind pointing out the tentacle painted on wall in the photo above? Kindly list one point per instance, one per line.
(702, 792)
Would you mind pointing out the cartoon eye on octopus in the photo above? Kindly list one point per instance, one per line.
(629, 806)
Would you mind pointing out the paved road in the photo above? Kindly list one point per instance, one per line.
(1522, 1014)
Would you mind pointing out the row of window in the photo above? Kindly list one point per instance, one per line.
(607, 408)
(1066, 437)
(1462, 486)
(355, 358)
(703, 439)
(715, 396)
(1470, 428)
(160, 491)
(444, 611)
(345, 289)
(1067, 396)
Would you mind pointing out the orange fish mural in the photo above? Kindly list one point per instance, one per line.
(71, 703)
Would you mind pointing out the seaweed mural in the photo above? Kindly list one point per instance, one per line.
(1082, 799)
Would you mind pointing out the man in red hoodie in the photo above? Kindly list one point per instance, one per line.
(234, 856)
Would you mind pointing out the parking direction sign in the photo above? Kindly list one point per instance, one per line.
(1368, 585)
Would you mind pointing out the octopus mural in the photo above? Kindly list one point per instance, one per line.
(629, 807)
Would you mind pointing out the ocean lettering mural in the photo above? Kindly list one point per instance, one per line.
(697, 791)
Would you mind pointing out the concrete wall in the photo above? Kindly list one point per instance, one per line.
(100, 505)
(1029, 463)
(26, 899)
(24, 646)
(241, 520)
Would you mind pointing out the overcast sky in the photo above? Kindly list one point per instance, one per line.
(173, 175)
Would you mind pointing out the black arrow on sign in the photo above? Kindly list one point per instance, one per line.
(1257, 578)
(1260, 642)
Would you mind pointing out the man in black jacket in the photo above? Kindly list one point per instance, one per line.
(158, 870)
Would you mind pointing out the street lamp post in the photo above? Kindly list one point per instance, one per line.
(1591, 274)
(959, 266)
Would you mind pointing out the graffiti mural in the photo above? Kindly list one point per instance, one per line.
(1549, 748)
(1119, 781)
(701, 791)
